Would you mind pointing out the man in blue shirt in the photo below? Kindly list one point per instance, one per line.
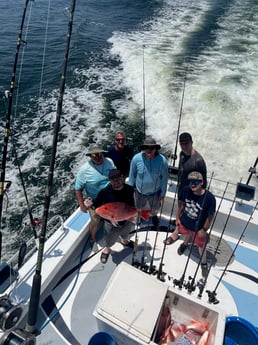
(149, 175)
(91, 178)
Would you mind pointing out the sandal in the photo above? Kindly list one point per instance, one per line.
(170, 240)
(130, 244)
(104, 257)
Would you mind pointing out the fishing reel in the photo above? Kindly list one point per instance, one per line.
(9, 314)
(179, 282)
(190, 285)
(18, 337)
(212, 297)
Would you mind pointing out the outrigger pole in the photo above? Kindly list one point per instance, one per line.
(36, 285)
(8, 120)
(143, 92)
(27, 336)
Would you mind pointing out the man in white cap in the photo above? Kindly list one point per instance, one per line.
(149, 175)
(91, 178)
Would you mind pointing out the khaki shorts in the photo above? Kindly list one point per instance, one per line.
(95, 218)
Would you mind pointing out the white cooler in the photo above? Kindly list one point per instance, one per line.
(131, 305)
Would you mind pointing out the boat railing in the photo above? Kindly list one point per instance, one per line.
(229, 190)
(53, 224)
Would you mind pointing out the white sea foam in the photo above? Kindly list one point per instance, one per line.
(219, 107)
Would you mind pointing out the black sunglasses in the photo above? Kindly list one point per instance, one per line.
(194, 182)
(149, 147)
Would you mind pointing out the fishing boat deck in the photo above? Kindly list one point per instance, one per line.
(72, 290)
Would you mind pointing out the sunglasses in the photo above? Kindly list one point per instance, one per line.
(149, 147)
(120, 139)
(95, 155)
(194, 182)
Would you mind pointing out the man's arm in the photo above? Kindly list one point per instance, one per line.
(79, 196)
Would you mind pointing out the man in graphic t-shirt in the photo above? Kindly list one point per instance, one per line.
(195, 213)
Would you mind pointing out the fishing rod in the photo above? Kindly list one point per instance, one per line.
(179, 119)
(152, 268)
(180, 282)
(212, 294)
(8, 118)
(170, 228)
(32, 220)
(190, 285)
(135, 247)
(161, 274)
(36, 285)
(201, 285)
(143, 92)
(252, 171)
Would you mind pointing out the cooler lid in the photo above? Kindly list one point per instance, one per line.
(132, 301)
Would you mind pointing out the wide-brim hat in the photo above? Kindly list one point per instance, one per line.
(149, 141)
(94, 148)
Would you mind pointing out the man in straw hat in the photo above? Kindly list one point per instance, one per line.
(149, 175)
(91, 178)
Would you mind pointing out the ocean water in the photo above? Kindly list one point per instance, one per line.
(130, 64)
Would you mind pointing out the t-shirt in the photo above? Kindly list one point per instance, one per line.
(197, 208)
(188, 164)
(121, 159)
(91, 178)
(108, 194)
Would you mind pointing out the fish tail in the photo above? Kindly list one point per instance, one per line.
(145, 214)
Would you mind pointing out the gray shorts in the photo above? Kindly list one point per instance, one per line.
(147, 202)
(112, 233)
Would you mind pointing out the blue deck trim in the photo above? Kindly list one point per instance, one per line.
(79, 220)
(247, 303)
(246, 256)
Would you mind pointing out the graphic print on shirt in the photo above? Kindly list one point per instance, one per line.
(192, 209)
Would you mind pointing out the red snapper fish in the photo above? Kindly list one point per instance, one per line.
(119, 211)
